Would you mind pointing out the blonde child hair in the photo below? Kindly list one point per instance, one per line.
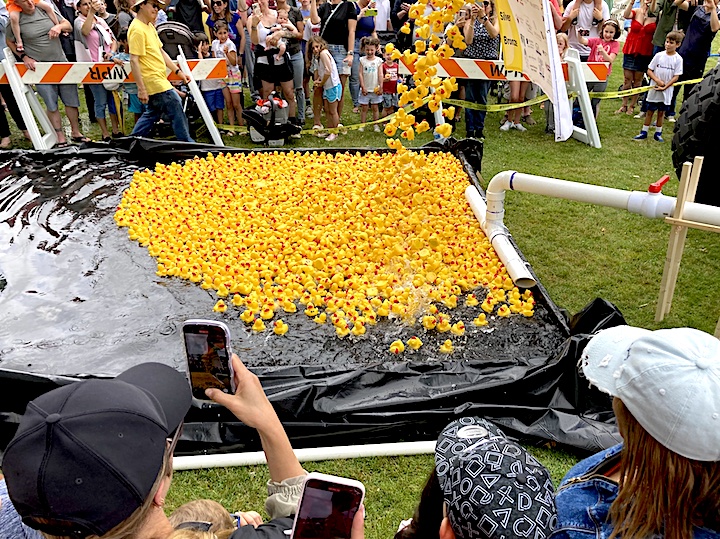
(564, 38)
(203, 511)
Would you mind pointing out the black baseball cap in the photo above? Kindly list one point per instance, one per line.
(86, 455)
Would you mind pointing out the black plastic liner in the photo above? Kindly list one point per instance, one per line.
(78, 299)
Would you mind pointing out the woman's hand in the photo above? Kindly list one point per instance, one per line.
(474, 11)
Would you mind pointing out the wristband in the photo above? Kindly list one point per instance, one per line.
(22, 56)
(177, 71)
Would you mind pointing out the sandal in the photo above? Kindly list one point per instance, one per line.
(528, 119)
(621, 110)
(107, 139)
(80, 139)
(630, 111)
(62, 144)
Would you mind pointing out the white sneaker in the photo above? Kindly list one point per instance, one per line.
(309, 112)
(671, 119)
(376, 128)
(343, 131)
(639, 115)
(331, 137)
(506, 126)
(361, 128)
(519, 127)
(296, 135)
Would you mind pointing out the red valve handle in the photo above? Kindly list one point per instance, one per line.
(658, 185)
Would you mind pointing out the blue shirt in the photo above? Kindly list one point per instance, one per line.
(11, 525)
(695, 47)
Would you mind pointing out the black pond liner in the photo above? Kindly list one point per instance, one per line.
(79, 299)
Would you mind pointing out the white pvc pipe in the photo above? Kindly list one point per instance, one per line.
(490, 215)
(195, 462)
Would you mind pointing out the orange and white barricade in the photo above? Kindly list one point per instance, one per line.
(576, 73)
(19, 77)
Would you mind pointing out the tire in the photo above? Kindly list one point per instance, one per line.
(696, 133)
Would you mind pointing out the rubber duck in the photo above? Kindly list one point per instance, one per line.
(342, 331)
(444, 325)
(397, 347)
(458, 328)
(266, 313)
(320, 319)
(258, 325)
(472, 300)
(280, 327)
(414, 342)
(247, 316)
(447, 347)
(220, 306)
(487, 305)
(237, 300)
(481, 320)
(429, 322)
(311, 310)
(288, 306)
(358, 328)
(503, 311)
(527, 311)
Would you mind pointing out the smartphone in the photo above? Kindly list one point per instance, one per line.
(583, 32)
(327, 507)
(207, 347)
(371, 12)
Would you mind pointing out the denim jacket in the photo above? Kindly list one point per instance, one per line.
(584, 497)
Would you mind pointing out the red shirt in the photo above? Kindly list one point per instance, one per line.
(609, 46)
(390, 84)
(639, 38)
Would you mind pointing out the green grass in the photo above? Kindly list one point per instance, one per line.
(579, 252)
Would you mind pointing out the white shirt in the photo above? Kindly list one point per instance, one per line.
(381, 19)
(665, 68)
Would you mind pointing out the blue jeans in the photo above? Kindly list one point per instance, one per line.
(101, 99)
(298, 64)
(476, 91)
(169, 103)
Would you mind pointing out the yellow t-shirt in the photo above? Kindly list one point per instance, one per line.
(144, 42)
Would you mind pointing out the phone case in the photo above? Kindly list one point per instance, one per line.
(204, 403)
(330, 480)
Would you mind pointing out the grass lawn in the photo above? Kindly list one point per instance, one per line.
(579, 252)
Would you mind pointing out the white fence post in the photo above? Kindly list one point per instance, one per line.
(200, 100)
(576, 83)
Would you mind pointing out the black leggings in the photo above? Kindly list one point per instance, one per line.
(12, 106)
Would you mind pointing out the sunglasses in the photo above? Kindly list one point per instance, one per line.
(218, 3)
(175, 437)
(196, 525)
(486, 3)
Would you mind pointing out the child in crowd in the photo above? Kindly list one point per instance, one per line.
(328, 79)
(211, 88)
(14, 11)
(203, 511)
(223, 47)
(389, 86)
(371, 73)
(597, 5)
(602, 49)
(280, 30)
(664, 70)
(130, 88)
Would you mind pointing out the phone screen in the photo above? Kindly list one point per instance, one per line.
(208, 357)
(326, 510)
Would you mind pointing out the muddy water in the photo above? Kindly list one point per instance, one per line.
(78, 297)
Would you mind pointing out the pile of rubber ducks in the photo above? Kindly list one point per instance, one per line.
(346, 238)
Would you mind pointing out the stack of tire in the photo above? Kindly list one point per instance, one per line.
(696, 134)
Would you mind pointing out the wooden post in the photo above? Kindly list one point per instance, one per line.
(678, 234)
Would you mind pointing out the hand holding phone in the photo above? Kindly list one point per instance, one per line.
(327, 507)
(207, 346)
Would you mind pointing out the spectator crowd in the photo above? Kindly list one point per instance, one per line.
(268, 47)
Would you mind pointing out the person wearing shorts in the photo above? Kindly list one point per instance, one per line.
(41, 40)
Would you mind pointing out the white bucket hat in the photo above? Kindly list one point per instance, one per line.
(668, 379)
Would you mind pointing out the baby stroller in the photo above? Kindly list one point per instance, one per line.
(163, 129)
(268, 122)
(176, 36)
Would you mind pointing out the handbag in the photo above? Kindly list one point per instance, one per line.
(327, 21)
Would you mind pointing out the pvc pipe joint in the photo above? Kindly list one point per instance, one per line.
(652, 205)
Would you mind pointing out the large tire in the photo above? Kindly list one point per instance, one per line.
(696, 133)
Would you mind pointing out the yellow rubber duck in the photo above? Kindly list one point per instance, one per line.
(358, 328)
(258, 325)
(458, 328)
(342, 331)
(429, 322)
(397, 347)
(267, 313)
(280, 327)
(487, 305)
(414, 342)
(472, 300)
(220, 307)
(237, 300)
(311, 310)
(447, 347)
(503, 311)
(320, 319)
(247, 316)
(527, 311)
(443, 325)
(481, 320)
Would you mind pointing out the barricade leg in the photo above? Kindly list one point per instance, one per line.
(576, 83)
(30, 108)
(200, 101)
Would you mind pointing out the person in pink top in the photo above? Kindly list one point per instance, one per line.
(602, 49)
(638, 49)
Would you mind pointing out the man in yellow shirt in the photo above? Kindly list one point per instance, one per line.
(149, 62)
